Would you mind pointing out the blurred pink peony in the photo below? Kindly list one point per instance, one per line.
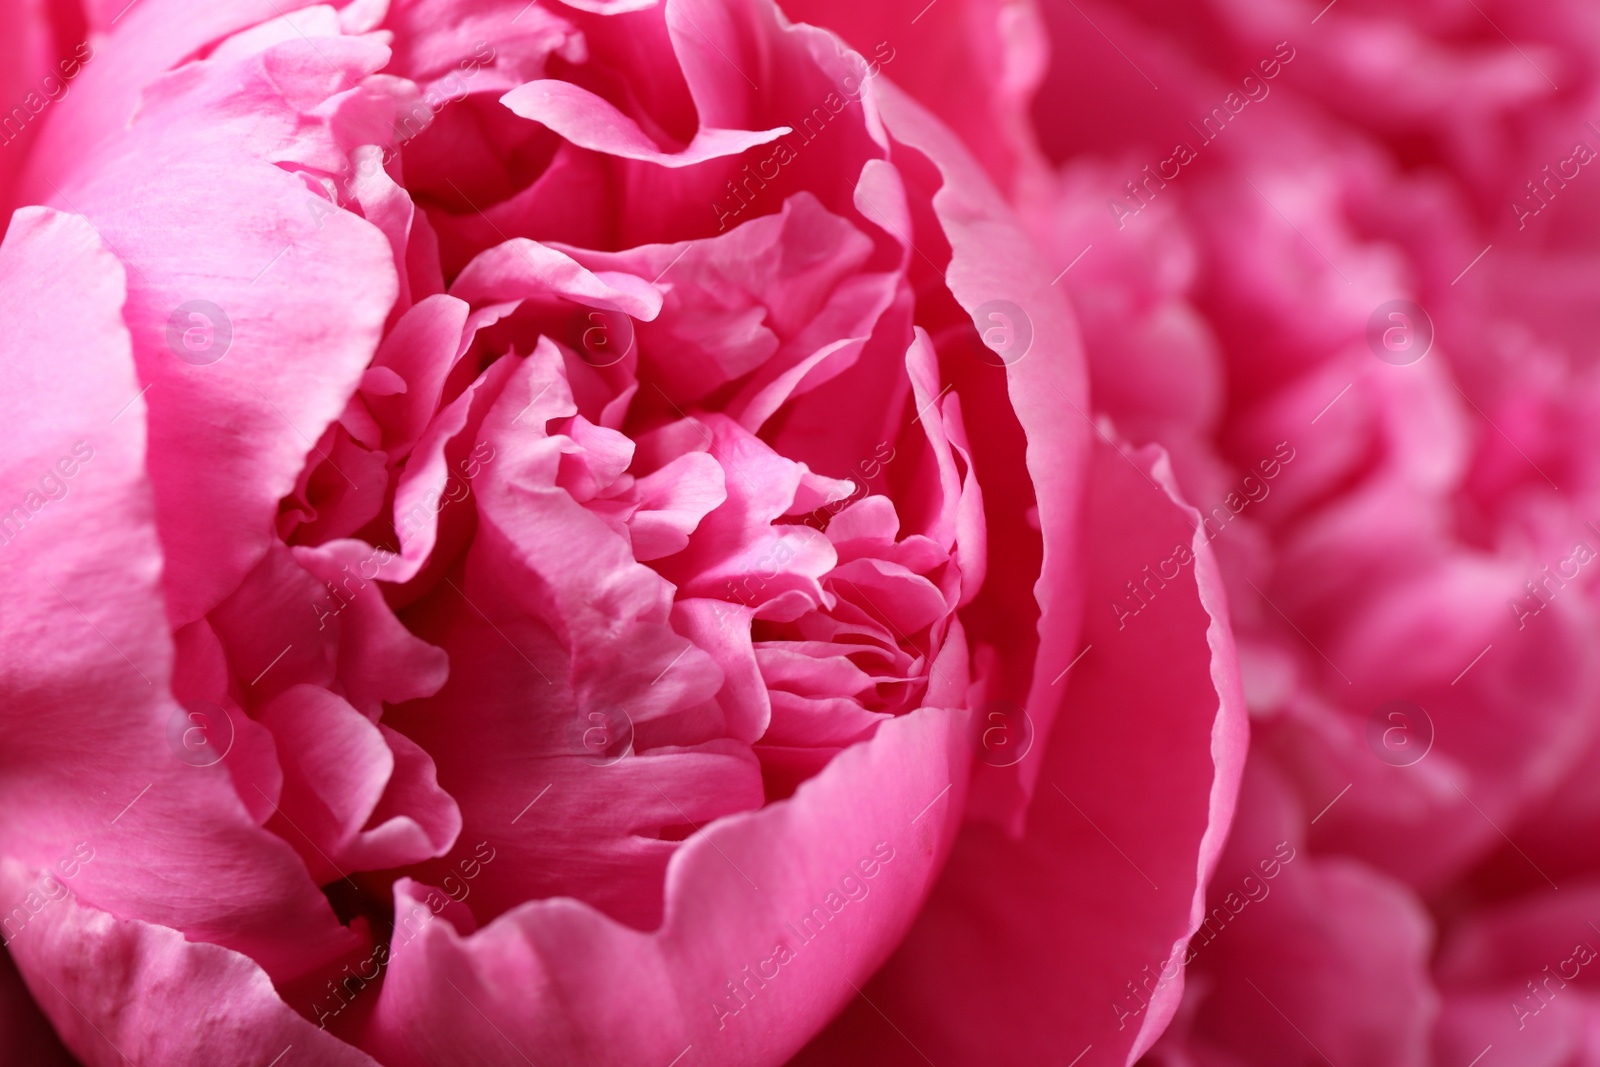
(525, 520)
(1365, 235)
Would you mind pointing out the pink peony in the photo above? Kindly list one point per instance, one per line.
(563, 533)
(1364, 235)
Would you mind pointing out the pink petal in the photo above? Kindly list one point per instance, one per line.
(564, 984)
(25, 1033)
(151, 39)
(1028, 608)
(1000, 50)
(85, 681)
(590, 122)
(1300, 953)
(337, 767)
(674, 500)
(284, 378)
(1139, 785)
(113, 987)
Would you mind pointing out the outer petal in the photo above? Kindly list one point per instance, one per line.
(122, 991)
(1138, 787)
(254, 413)
(145, 40)
(990, 259)
(563, 984)
(84, 698)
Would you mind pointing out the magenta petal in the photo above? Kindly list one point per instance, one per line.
(337, 767)
(722, 631)
(673, 501)
(590, 122)
(113, 987)
(520, 269)
(25, 60)
(1343, 957)
(1300, 948)
(281, 380)
(429, 483)
(379, 659)
(858, 844)
(25, 1033)
(420, 351)
(1139, 781)
(991, 259)
(84, 686)
(150, 40)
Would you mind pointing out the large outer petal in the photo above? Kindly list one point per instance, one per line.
(993, 259)
(226, 440)
(563, 984)
(1025, 946)
(144, 41)
(196, 1005)
(84, 700)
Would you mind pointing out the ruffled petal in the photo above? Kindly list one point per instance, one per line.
(112, 987)
(770, 918)
(1139, 782)
(85, 682)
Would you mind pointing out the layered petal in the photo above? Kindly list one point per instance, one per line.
(86, 630)
(1108, 878)
(81, 961)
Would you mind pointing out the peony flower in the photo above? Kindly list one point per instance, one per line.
(558, 533)
(1332, 230)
